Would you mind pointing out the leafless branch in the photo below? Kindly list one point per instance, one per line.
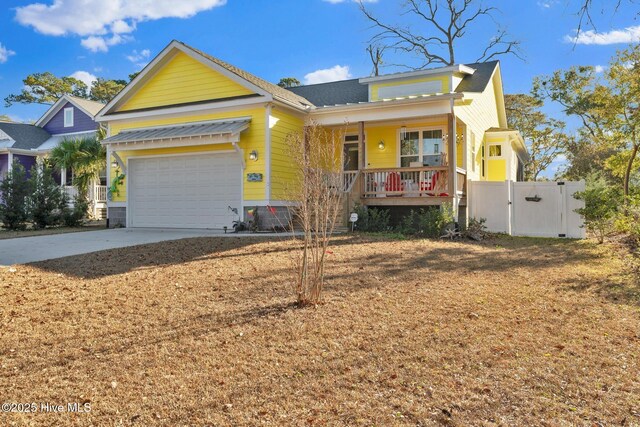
(446, 22)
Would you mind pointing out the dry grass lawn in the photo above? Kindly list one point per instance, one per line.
(202, 332)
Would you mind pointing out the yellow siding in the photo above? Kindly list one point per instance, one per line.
(283, 124)
(184, 80)
(479, 112)
(251, 139)
(376, 87)
(497, 169)
(388, 158)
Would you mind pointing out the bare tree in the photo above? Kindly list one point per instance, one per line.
(585, 12)
(375, 54)
(316, 190)
(443, 24)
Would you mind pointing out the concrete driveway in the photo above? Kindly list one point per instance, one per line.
(24, 250)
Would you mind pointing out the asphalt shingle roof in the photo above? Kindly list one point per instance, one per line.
(92, 107)
(26, 136)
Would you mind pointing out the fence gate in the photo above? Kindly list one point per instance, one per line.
(537, 209)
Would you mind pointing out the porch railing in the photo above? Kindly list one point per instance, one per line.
(97, 193)
(428, 181)
(349, 179)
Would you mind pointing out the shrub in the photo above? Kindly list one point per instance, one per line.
(14, 190)
(475, 230)
(601, 206)
(74, 216)
(628, 220)
(43, 203)
(372, 219)
(430, 222)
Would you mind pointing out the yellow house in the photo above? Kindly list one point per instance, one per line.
(194, 142)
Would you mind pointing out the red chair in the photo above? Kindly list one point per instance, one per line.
(394, 183)
(430, 187)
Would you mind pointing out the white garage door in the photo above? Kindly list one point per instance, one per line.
(192, 191)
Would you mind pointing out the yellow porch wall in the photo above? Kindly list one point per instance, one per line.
(497, 169)
(182, 80)
(251, 139)
(283, 124)
(376, 87)
(389, 157)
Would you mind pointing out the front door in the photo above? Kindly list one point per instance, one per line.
(351, 153)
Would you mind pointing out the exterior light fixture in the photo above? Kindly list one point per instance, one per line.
(114, 164)
(253, 155)
(381, 144)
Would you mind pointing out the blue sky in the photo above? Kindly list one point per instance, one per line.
(319, 39)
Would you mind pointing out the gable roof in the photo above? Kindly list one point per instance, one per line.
(25, 136)
(248, 80)
(90, 108)
(275, 90)
(356, 91)
(478, 81)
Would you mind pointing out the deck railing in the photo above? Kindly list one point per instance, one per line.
(428, 181)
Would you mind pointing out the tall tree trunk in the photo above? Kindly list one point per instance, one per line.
(627, 172)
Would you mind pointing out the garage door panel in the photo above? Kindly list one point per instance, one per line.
(185, 191)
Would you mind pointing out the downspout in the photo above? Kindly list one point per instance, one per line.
(453, 161)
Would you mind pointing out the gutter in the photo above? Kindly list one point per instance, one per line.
(378, 104)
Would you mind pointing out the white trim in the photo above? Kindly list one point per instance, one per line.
(462, 69)
(366, 141)
(10, 162)
(164, 57)
(274, 203)
(267, 154)
(382, 103)
(70, 123)
(116, 204)
(161, 111)
(420, 130)
(193, 153)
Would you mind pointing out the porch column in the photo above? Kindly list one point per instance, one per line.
(10, 160)
(452, 159)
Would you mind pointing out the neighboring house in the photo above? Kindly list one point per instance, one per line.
(69, 118)
(200, 142)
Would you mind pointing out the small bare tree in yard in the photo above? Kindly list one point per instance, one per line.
(316, 191)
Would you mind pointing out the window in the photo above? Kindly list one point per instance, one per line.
(68, 117)
(483, 161)
(421, 146)
(495, 150)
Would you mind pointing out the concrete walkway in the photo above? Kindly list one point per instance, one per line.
(24, 250)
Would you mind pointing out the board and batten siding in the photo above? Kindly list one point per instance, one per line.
(251, 139)
(283, 124)
(183, 80)
(81, 122)
(479, 111)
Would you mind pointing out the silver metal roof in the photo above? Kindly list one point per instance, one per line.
(228, 127)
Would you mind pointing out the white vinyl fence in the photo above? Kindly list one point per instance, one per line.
(537, 209)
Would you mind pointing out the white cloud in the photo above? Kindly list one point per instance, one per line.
(104, 23)
(354, 1)
(547, 4)
(591, 37)
(5, 54)
(84, 76)
(139, 58)
(332, 74)
(599, 68)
